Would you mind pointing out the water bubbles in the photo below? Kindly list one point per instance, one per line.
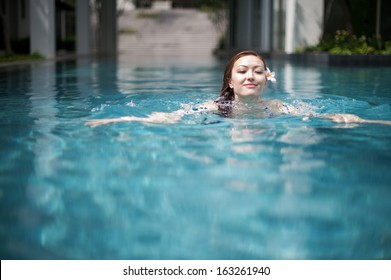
(100, 107)
(131, 104)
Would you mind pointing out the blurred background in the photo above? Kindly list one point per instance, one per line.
(53, 28)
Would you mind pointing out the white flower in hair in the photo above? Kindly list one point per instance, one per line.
(270, 76)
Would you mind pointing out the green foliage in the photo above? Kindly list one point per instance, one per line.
(344, 43)
(151, 15)
(127, 31)
(11, 58)
(217, 13)
(221, 43)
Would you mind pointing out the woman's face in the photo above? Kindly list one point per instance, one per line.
(248, 77)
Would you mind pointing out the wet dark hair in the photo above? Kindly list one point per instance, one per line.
(227, 94)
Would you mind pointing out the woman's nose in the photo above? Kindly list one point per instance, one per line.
(250, 75)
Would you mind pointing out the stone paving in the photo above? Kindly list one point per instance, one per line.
(166, 32)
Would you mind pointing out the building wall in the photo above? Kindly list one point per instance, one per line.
(42, 27)
(246, 24)
(23, 16)
(278, 33)
(287, 25)
(306, 26)
(37, 30)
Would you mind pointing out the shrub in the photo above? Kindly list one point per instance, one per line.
(344, 43)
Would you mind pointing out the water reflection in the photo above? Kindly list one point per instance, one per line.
(297, 164)
(301, 82)
(47, 147)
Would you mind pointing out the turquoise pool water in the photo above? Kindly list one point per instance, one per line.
(205, 188)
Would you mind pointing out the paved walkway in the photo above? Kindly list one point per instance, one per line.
(175, 32)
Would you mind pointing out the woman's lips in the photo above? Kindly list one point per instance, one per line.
(250, 85)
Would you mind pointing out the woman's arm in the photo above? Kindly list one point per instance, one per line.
(286, 108)
(156, 117)
(350, 118)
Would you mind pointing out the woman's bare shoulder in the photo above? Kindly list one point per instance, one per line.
(207, 106)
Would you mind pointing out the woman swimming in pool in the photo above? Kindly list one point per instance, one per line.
(245, 77)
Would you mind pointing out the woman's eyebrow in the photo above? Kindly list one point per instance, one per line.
(256, 66)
